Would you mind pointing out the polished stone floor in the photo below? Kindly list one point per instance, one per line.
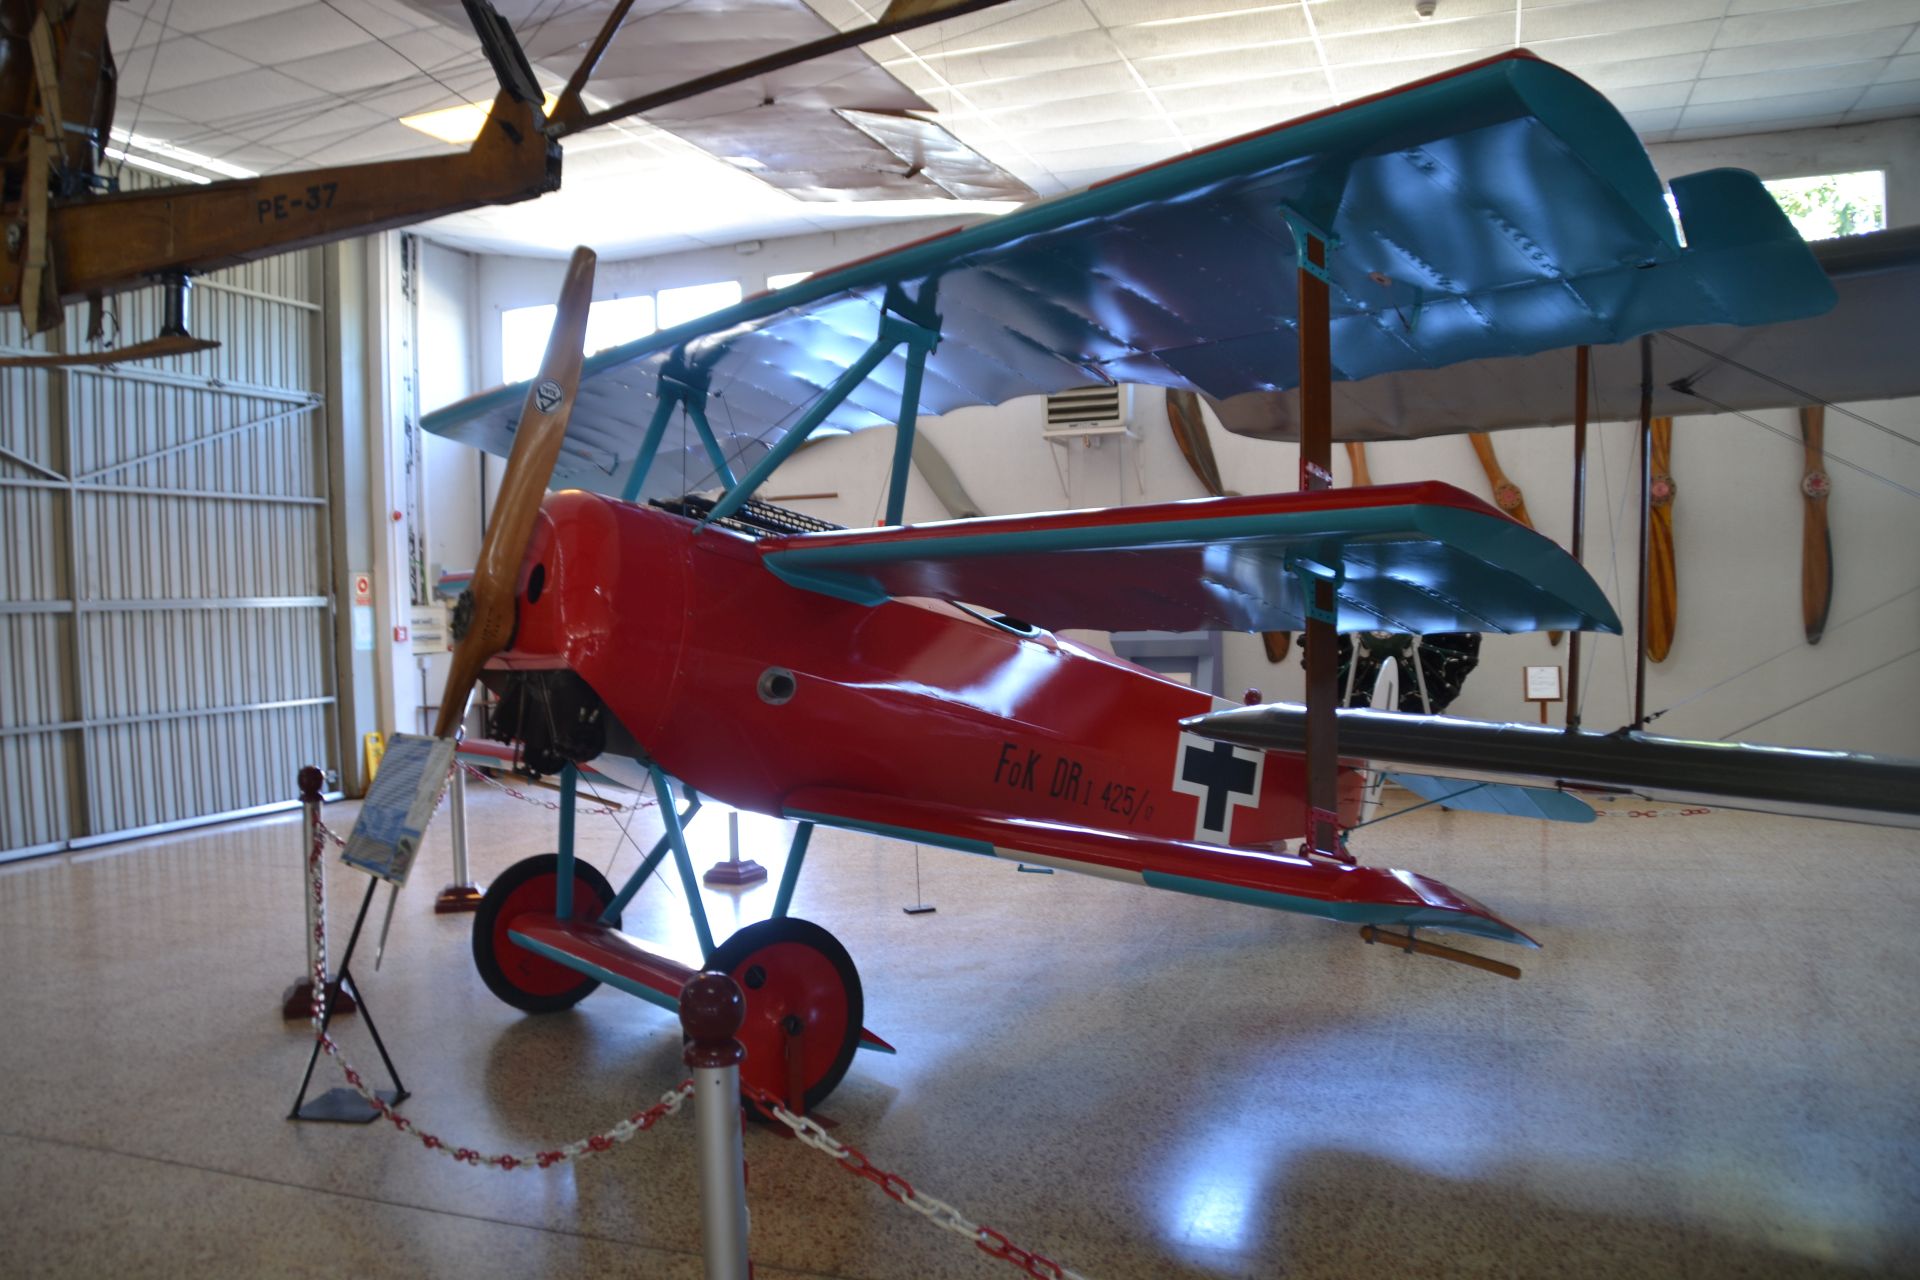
(1713, 1068)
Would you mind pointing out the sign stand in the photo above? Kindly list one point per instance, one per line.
(385, 839)
(1542, 685)
(341, 1105)
(733, 873)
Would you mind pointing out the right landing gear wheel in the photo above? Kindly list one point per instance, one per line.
(796, 978)
(525, 979)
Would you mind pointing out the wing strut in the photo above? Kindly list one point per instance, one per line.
(1580, 381)
(1318, 581)
(902, 321)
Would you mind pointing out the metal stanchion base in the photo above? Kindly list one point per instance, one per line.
(733, 874)
(456, 898)
(297, 1004)
(344, 1106)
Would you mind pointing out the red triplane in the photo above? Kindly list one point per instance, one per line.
(907, 681)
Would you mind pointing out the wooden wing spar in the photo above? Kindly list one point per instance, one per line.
(1501, 209)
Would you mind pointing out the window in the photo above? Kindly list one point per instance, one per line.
(610, 322)
(690, 302)
(1834, 204)
(786, 278)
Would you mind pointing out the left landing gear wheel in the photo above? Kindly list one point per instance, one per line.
(524, 979)
(802, 990)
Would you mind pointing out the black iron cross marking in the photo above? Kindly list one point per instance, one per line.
(1224, 775)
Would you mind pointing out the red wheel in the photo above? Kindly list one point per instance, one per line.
(796, 977)
(525, 979)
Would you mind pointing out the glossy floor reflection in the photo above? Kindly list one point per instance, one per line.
(1713, 1069)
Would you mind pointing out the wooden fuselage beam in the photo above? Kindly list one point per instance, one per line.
(105, 244)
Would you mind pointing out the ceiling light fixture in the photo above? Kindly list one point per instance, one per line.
(1423, 9)
(462, 124)
(160, 147)
(154, 166)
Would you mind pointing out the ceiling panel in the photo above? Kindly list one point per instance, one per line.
(1899, 93)
(1859, 46)
(1235, 31)
(1009, 24)
(1460, 41)
(309, 29)
(1223, 70)
(1742, 89)
(1815, 21)
(175, 64)
(1044, 56)
(1058, 92)
(1583, 52)
(1343, 17)
(1606, 17)
(1822, 106)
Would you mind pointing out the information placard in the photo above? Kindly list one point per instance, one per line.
(399, 805)
(1543, 684)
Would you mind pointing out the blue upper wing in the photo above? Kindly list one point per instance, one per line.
(1502, 209)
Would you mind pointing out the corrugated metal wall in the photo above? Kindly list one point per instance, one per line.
(166, 649)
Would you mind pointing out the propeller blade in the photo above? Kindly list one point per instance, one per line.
(1663, 590)
(1357, 456)
(1816, 542)
(536, 447)
(1506, 494)
(1190, 433)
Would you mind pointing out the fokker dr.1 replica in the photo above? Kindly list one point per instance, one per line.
(907, 681)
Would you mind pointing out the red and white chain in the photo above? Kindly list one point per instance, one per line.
(639, 1122)
(1693, 811)
(554, 805)
(898, 1189)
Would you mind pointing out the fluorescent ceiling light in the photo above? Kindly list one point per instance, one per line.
(460, 125)
(154, 166)
(160, 147)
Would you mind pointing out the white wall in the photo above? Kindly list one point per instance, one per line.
(507, 282)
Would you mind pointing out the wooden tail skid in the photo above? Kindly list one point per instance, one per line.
(1416, 946)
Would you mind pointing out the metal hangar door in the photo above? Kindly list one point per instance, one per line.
(166, 641)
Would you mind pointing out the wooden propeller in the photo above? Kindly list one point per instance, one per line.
(1190, 433)
(536, 447)
(1506, 494)
(1663, 590)
(1816, 541)
(1357, 456)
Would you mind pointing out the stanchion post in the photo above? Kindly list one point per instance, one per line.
(297, 1004)
(711, 1011)
(463, 894)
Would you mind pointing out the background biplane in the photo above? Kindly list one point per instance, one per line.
(851, 678)
(72, 235)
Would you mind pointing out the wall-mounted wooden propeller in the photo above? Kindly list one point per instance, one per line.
(1506, 494)
(1190, 433)
(490, 606)
(1816, 540)
(1663, 589)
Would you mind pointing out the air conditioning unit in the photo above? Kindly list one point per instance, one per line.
(1089, 415)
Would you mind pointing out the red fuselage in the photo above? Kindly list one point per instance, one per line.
(686, 637)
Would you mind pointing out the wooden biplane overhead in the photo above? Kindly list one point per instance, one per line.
(851, 678)
(71, 235)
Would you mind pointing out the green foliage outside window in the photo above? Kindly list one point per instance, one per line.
(1834, 204)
